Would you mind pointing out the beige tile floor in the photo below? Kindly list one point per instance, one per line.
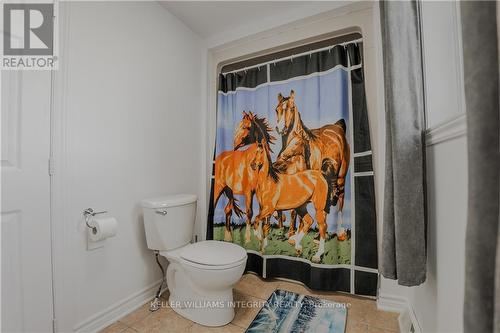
(362, 313)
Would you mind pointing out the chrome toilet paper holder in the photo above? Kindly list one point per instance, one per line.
(88, 213)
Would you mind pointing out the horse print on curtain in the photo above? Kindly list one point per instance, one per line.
(293, 170)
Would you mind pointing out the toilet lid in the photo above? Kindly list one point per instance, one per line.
(213, 253)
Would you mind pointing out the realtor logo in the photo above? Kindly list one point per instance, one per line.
(28, 38)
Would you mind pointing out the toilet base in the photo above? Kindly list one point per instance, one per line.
(207, 311)
(201, 293)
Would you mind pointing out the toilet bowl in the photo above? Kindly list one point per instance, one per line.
(200, 276)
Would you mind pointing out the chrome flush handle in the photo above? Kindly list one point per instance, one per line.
(162, 212)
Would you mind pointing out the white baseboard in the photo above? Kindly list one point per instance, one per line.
(450, 129)
(108, 316)
(407, 319)
(391, 303)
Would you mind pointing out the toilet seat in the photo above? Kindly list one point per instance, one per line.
(212, 267)
(210, 255)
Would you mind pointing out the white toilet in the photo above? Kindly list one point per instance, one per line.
(200, 276)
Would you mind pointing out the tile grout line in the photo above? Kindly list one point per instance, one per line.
(385, 330)
(375, 326)
(238, 325)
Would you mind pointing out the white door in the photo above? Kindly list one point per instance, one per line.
(25, 225)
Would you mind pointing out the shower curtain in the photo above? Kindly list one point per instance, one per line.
(293, 179)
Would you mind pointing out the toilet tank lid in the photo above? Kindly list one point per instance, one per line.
(169, 201)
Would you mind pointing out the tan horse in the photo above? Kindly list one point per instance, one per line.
(280, 192)
(235, 173)
(233, 176)
(325, 149)
(250, 130)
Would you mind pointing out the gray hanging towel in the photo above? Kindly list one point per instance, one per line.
(480, 50)
(403, 240)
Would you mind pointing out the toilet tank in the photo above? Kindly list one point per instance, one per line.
(169, 221)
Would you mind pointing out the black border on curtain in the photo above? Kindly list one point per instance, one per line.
(362, 277)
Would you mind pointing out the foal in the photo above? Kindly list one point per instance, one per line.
(276, 191)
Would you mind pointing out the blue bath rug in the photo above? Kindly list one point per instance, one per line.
(286, 311)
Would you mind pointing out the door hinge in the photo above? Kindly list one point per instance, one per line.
(51, 166)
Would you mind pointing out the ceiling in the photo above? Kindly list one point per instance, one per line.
(219, 20)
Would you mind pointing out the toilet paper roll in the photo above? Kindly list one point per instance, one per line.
(102, 228)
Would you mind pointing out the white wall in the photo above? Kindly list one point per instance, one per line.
(128, 127)
(438, 303)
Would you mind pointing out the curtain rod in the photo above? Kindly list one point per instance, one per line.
(293, 56)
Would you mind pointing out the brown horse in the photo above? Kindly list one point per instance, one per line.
(234, 172)
(324, 149)
(233, 176)
(250, 130)
(277, 191)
